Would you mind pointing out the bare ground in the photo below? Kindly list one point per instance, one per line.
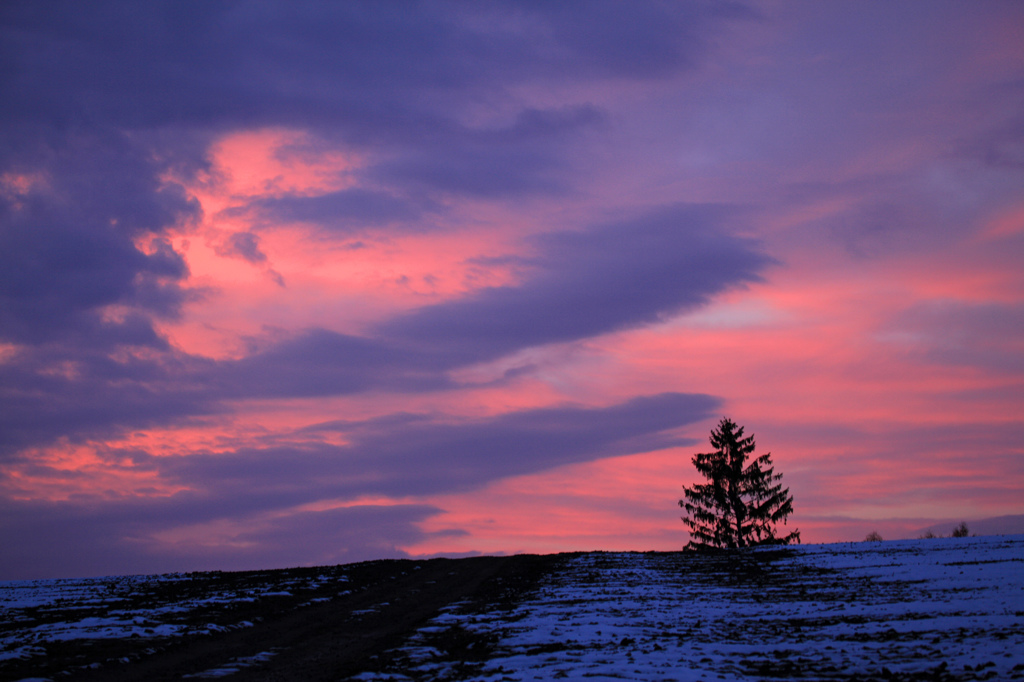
(329, 640)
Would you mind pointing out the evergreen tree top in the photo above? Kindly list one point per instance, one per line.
(741, 501)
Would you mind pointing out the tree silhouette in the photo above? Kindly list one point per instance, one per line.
(741, 502)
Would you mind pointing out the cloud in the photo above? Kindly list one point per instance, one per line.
(418, 455)
(433, 457)
(245, 245)
(1004, 147)
(342, 211)
(449, 129)
(63, 539)
(645, 41)
(581, 284)
(240, 507)
(143, 89)
(333, 536)
(52, 392)
(320, 362)
(168, 63)
(592, 282)
(108, 107)
(86, 270)
(899, 466)
(70, 244)
(949, 332)
(526, 157)
(424, 96)
(397, 87)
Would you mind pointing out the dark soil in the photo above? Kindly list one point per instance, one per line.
(327, 640)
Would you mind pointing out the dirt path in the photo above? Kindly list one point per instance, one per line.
(333, 640)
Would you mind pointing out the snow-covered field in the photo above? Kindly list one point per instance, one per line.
(940, 609)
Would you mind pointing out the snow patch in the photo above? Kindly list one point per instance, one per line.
(911, 608)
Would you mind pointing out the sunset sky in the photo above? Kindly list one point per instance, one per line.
(305, 283)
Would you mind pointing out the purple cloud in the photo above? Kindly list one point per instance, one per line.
(68, 243)
(592, 282)
(399, 455)
(167, 63)
(343, 211)
(950, 332)
(245, 245)
(57, 539)
(422, 456)
(581, 284)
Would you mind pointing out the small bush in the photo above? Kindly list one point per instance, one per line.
(961, 530)
(873, 536)
(928, 535)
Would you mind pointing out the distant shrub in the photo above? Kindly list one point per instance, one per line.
(873, 536)
(928, 535)
(961, 530)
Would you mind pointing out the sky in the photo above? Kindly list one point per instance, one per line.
(292, 284)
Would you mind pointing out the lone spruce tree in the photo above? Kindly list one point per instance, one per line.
(742, 500)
